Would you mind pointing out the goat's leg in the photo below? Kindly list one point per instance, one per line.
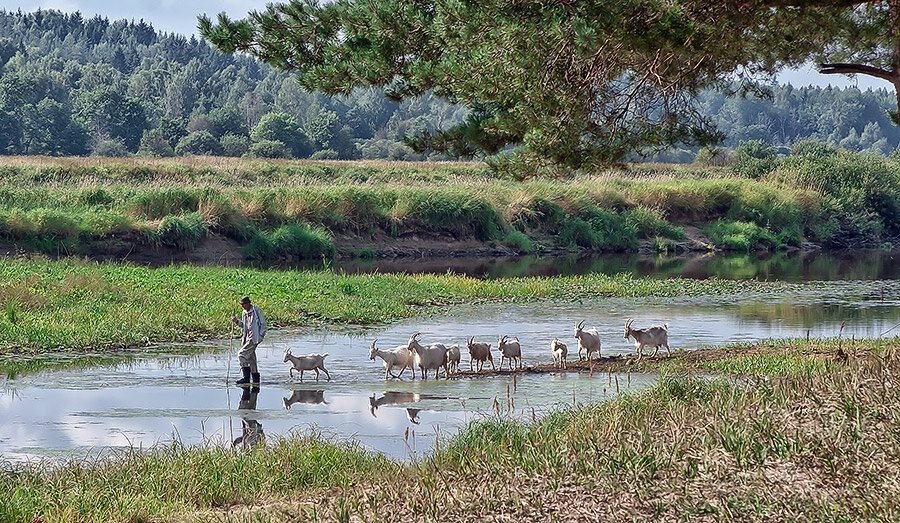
(667, 348)
(291, 372)
(326, 372)
(655, 352)
(301, 375)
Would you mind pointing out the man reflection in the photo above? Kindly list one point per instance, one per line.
(253, 434)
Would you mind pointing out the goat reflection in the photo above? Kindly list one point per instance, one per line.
(310, 397)
(392, 398)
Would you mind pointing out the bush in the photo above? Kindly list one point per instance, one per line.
(648, 222)
(754, 158)
(158, 203)
(54, 223)
(302, 241)
(713, 157)
(181, 232)
(259, 247)
(154, 144)
(812, 148)
(578, 233)
(518, 241)
(268, 149)
(200, 143)
(111, 148)
(234, 145)
(741, 236)
(324, 154)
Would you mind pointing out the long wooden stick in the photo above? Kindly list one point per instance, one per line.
(231, 351)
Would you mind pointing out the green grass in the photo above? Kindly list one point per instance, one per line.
(805, 447)
(89, 306)
(66, 204)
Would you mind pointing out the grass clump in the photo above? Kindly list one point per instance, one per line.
(181, 231)
(518, 241)
(302, 241)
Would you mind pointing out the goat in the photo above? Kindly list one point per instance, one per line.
(511, 350)
(432, 356)
(588, 340)
(397, 357)
(479, 352)
(453, 357)
(391, 398)
(311, 397)
(649, 337)
(559, 351)
(308, 362)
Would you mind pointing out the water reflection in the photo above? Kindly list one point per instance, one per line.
(391, 398)
(874, 264)
(252, 434)
(309, 397)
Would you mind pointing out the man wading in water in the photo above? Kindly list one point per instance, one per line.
(253, 324)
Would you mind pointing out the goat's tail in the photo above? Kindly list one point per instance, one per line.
(666, 326)
(324, 355)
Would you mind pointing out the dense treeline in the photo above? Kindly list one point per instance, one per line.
(847, 118)
(76, 86)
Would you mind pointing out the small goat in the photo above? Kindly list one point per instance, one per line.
(397, 357)
(511, 350)
(560, 351)
(432, 356)
(654, 336)
(479, 352)
(453, 357)
(308, 362)
(588, 340)
(310, 397)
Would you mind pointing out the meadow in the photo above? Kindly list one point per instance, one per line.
(284, 210)
(804, 442)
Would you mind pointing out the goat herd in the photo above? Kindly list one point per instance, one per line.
(437, 355)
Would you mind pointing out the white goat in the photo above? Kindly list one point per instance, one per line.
(399, 356)
(650, 337)
(308, 362)
(432, 356)
(588, 340)
(560, 351)
(511, 350)
(453, 357)
(479, 352)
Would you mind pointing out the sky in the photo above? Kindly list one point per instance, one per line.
(176, 16)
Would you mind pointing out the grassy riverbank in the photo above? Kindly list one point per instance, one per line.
(276, 210)
(811, 445)
(82, 305)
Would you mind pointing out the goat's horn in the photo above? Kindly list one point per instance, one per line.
(373, 343)
(581, 324)
(628, 322)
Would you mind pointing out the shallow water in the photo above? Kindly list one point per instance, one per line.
(158, 398)
(858, 264)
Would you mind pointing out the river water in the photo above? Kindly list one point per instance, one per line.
(156, 397)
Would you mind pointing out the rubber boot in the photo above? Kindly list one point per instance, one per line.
(254, 380)
(246, 379)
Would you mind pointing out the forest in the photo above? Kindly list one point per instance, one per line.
(71, 86)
